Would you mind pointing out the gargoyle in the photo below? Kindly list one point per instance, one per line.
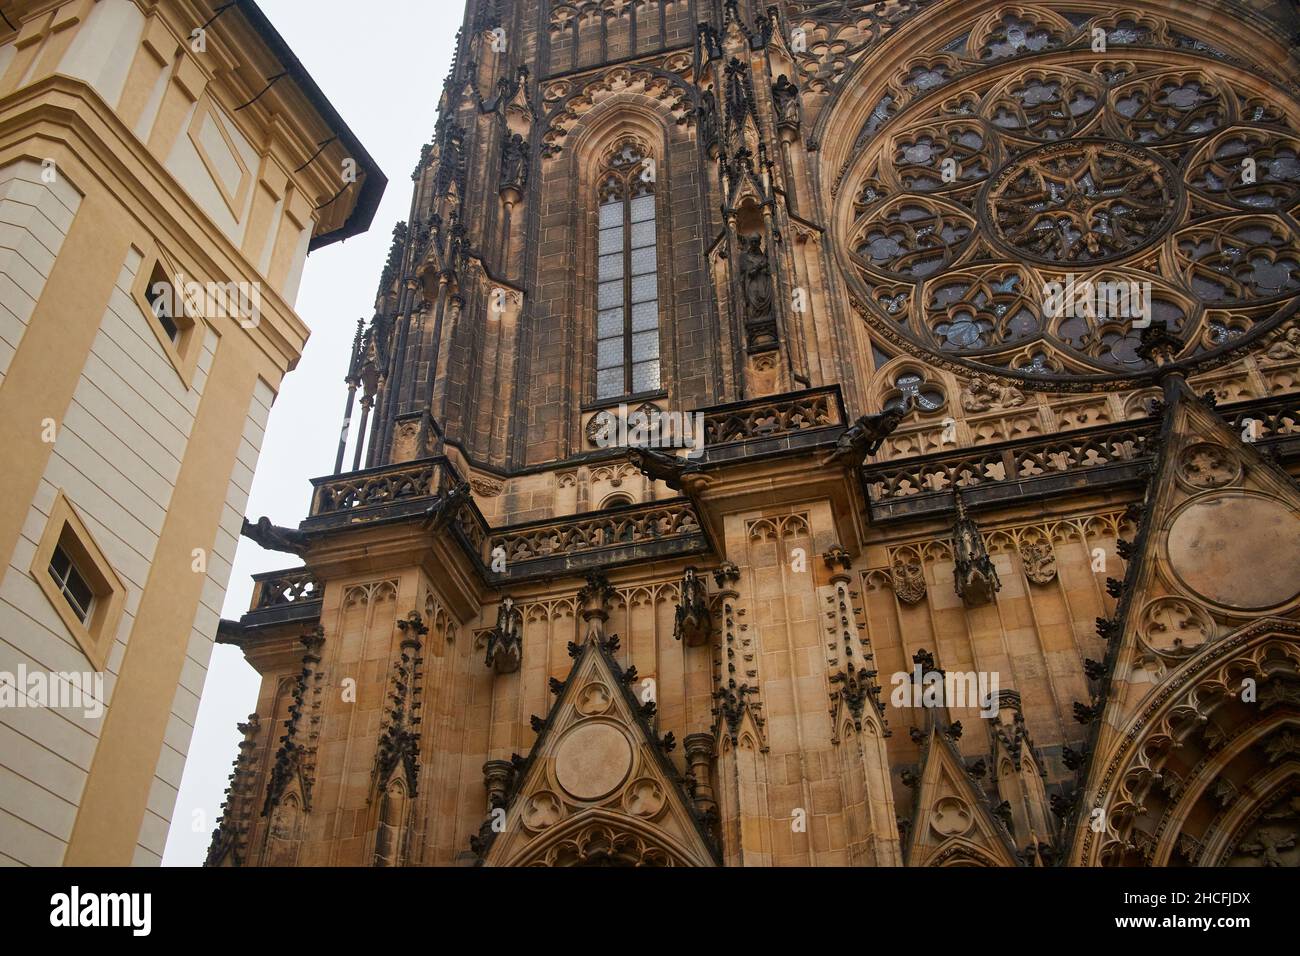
(275, 538)
(864, 437)
(447, 507)
(656, 465)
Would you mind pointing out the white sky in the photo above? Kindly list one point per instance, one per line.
(382, 65)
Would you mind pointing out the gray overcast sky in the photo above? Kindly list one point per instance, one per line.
(382, 65)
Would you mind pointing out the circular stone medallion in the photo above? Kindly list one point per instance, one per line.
(1239, 551)
(593, 759)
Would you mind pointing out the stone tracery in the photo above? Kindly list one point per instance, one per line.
(1073, 159)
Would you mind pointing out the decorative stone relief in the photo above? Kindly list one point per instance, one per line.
(984, 394)
(1175, 625)
(1207, 465)
(909, 582)
(1039, 558)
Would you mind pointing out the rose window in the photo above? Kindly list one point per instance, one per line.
(1158, 180)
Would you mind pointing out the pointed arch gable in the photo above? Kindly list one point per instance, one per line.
(630, 799)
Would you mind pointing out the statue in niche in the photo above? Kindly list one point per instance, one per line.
(692, 622)
(707, 112)
(514, 162)
(785, 97)
(756, 273)
(505, 646)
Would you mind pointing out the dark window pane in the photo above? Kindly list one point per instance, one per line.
(643, 208)
(609, 352)
(645, 315)
(609, 382)
(645, 376)
(645, 288)
(609, 322)
(609, 295)
(59, 565)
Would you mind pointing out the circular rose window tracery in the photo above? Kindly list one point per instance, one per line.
(1081, 201)
(997, 169)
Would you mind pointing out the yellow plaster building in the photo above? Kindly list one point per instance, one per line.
(146, 148)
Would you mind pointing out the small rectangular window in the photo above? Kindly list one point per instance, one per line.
(72, 584)
(76, 578)
(164, 300)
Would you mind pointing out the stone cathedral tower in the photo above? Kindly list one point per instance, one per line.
(988, 551)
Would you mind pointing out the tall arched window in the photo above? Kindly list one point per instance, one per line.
(627, 294)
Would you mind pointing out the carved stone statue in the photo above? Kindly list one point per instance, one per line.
(864, 437)
(693, 622)
(785, 97)
(707, 112)
(756, 276)
(275, 538)
(514, 162)
(505, 646)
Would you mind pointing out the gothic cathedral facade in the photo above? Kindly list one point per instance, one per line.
(822, 433)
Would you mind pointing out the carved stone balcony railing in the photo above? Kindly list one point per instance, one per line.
(626, 533)
(389, 491)
(1010, 463)
(1278, 418)
(281, 596)
(1104, 456)
(759, 426)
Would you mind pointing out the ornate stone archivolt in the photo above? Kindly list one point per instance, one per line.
(1169, 781)
(568, 100)
(1021, 199)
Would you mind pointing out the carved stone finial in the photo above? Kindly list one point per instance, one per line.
(594, 598)
(505, 645)
(837, 557)
(700, 752)
(497, 776)
(726, 575)
(974, 577)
